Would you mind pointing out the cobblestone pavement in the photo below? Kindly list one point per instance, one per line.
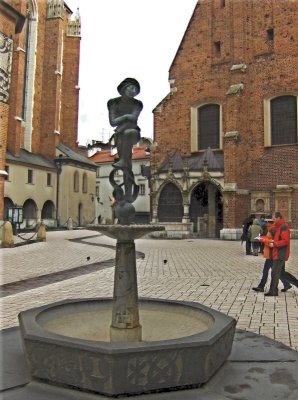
(218, 274)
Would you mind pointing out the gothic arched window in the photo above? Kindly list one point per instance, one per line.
(170, 204)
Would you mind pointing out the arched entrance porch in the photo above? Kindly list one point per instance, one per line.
(170, 205)
(206, 210)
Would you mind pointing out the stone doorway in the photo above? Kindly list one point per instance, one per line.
(206, 210)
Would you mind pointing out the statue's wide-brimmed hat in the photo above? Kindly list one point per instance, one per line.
(126, 82)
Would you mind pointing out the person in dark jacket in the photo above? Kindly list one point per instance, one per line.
(280, 245)
(245, 225)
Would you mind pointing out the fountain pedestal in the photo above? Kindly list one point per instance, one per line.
(125, 326)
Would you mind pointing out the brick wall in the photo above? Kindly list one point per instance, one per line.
(199, 74)
(55, 100)
(8, 22)
(70, 92)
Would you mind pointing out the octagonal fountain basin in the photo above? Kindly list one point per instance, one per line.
(183, 344)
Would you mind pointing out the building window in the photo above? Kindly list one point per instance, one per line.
(283, 120)
(142, 190)
(7, 171)
(30, 176)
(217, 48)
(208, 126)
(49, 179)
(97, 172)
(270, 35)
(97, 191)
(76, 182)
(85, 185)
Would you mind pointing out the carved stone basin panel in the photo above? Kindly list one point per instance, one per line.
(183, 344)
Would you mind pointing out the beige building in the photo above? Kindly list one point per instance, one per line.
(76, 187)
(52, 191)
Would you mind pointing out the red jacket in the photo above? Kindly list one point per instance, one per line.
(281, 236)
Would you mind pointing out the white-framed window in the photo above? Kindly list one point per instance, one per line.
(206, 126)
(281, 120)
(142, 190)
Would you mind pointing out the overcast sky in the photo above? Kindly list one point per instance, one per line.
(126, 38)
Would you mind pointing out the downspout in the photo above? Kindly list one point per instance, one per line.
(59, 169)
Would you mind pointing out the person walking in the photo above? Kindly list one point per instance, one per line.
(267, 254)
(263, 226)
(280, 245)
(245, 226)
(254, 233)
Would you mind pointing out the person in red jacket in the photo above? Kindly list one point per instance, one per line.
(267, 254)
(280, 244)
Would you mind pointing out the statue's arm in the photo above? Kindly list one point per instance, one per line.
(136, 111)
(116, 120)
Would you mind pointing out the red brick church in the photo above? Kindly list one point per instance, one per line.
(226, 136)
(41, 170)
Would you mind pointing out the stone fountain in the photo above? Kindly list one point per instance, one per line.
(125, 345)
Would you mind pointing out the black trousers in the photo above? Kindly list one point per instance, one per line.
(278, 272)
(266, 268)
(248, 246)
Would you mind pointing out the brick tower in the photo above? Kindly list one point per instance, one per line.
(41, 68)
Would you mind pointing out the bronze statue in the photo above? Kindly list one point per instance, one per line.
(123, 114)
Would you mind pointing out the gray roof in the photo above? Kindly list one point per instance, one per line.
(195, 162)
(26, 157)
(74, 156)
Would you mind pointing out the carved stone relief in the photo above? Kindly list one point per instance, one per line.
(6, 48)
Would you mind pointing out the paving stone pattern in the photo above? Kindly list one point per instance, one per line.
(218, 274)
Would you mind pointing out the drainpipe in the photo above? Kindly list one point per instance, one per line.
(59, 169)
